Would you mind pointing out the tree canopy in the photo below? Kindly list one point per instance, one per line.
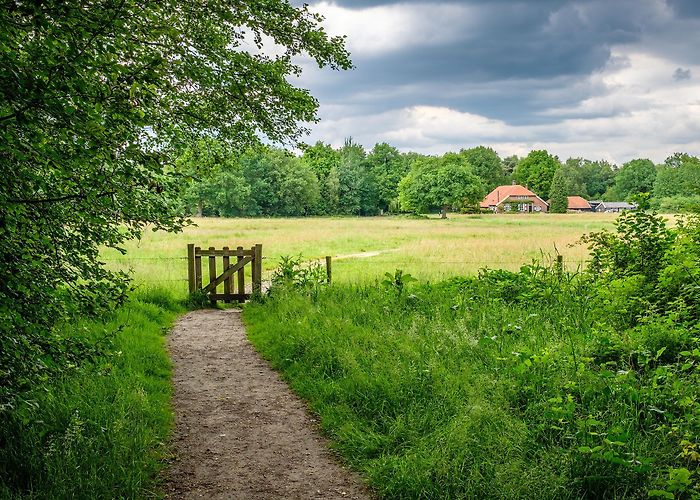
(96, 102)
(558, 192)
(635, 177)
(679, 175)
(536, 171)
(445, 182)
(388, 167)
(487, 165)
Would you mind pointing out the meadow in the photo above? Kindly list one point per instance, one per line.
(529, 384)
(365, 248)
(519, 382)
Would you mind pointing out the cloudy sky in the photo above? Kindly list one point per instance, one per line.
(610, 79)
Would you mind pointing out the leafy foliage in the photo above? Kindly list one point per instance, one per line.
(558, 193)
(397, 281)
(446, 182)
(677, 184)
(96, 103)
(530, 384)
(637, 247)
(635, 177)
(217, 185)
(388, 167)
(536, 171)
(357, 189)
(487, 165)
(324, 162)
(293, 273)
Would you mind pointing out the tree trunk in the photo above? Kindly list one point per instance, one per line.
(200, 209)
(443, 213)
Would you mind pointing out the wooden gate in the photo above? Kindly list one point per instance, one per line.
(234, 287)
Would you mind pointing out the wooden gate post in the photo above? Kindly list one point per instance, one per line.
(190, 268)
(257, 269)
(197, 268)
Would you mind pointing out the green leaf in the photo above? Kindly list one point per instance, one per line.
(660, 494)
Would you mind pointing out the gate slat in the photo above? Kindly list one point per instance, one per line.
(257, 269)
(198, 268)
(212, 273)
(227, 281)
(241, 272)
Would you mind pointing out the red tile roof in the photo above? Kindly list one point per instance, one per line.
(577, 203)
(502, 192)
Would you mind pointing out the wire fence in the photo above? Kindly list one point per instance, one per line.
(415, 260)
(385, 260)
(421, 260)
(127, 259)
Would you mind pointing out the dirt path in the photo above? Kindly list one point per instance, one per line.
(240, 432)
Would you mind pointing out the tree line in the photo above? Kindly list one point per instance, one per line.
(268, 181)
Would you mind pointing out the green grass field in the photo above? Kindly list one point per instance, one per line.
(512, 388)
(429, 249)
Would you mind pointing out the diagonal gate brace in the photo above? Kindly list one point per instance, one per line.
(228, 272)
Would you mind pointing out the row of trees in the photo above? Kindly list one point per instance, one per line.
(351, 181)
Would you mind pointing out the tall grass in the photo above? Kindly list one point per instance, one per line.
(100, 430)
(480, 389)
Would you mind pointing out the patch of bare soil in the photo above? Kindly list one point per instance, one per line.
(364, 255)
(240, 432)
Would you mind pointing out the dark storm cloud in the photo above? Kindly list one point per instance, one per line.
(686, 8)
(681, 74)
(539, 41)
(523, 63)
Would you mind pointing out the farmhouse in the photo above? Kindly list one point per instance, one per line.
(514, 198)
(578, 204)
(615, 206)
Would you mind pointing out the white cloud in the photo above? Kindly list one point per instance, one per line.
(378, 30)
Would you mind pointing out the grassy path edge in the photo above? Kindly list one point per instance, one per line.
(102, 430)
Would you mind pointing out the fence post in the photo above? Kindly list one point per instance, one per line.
(328, 269)
(190, 268)
(197, 269)
(257, 269)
